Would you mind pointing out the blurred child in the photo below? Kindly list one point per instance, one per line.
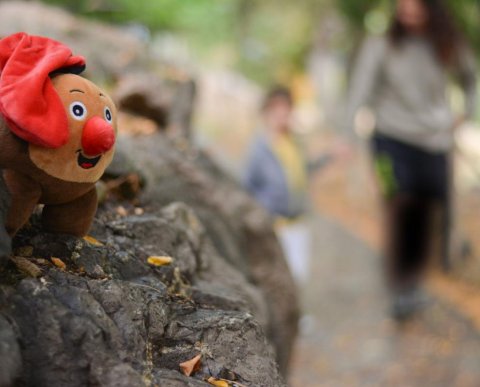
(277, 176)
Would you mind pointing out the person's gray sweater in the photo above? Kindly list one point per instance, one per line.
(406, 87)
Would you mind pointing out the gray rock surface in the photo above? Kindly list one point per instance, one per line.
(167, 102)
(240, 230)
(145, 94)
(110, 319)
(11, 361)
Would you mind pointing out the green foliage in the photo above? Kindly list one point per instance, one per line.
(207, 17)
(277, 35)
(357, 14)
(266, 39)
(355, 11)
(467, 13)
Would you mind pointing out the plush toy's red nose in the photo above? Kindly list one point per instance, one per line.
(97, 137)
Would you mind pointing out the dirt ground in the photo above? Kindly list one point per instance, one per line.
(347, 338)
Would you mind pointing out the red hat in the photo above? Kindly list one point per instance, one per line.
(28, 101)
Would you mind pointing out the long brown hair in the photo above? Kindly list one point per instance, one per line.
(441, 31)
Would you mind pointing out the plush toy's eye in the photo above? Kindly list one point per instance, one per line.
(78, 110)
(108, 114)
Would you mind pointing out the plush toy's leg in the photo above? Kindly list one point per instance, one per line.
(25, 194)
(74, 217)
(5, 241)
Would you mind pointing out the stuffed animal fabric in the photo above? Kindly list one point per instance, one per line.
(57, 134)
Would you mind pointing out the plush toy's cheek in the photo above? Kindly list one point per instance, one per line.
(68, 163)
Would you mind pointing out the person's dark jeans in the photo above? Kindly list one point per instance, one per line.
(414, 182)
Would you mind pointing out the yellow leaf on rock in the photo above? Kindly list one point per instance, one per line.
(223, 382)
(217, 382)
(92, 240)
(159, 260)
(190, 366)
(58, 263)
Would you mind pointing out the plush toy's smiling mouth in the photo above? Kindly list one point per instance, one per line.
(86, 162)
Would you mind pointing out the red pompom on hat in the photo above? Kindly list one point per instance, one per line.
(28, 101)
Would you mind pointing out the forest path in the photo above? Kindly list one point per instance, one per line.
(347, 338)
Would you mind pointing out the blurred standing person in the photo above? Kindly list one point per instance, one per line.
(403, 76)
(277, 177)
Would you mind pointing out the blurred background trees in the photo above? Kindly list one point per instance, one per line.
(267, 40)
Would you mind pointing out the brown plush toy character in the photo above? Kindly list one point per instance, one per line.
(57, 134)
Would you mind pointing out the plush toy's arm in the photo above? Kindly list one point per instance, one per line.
(13, 151)
(74, 217)
(25, 194)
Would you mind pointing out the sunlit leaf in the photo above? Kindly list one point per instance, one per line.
(223, 382)
(92, 240)
(217, 382)
(159, 260)
(58, 263)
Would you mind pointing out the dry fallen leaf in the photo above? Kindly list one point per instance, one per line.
(92, 240)
(58, 263)
(26, 266)
(159, 260)
(190, 366)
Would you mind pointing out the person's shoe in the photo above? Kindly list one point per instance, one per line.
(406, 303)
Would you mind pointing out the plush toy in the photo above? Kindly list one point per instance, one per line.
(57, 134)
